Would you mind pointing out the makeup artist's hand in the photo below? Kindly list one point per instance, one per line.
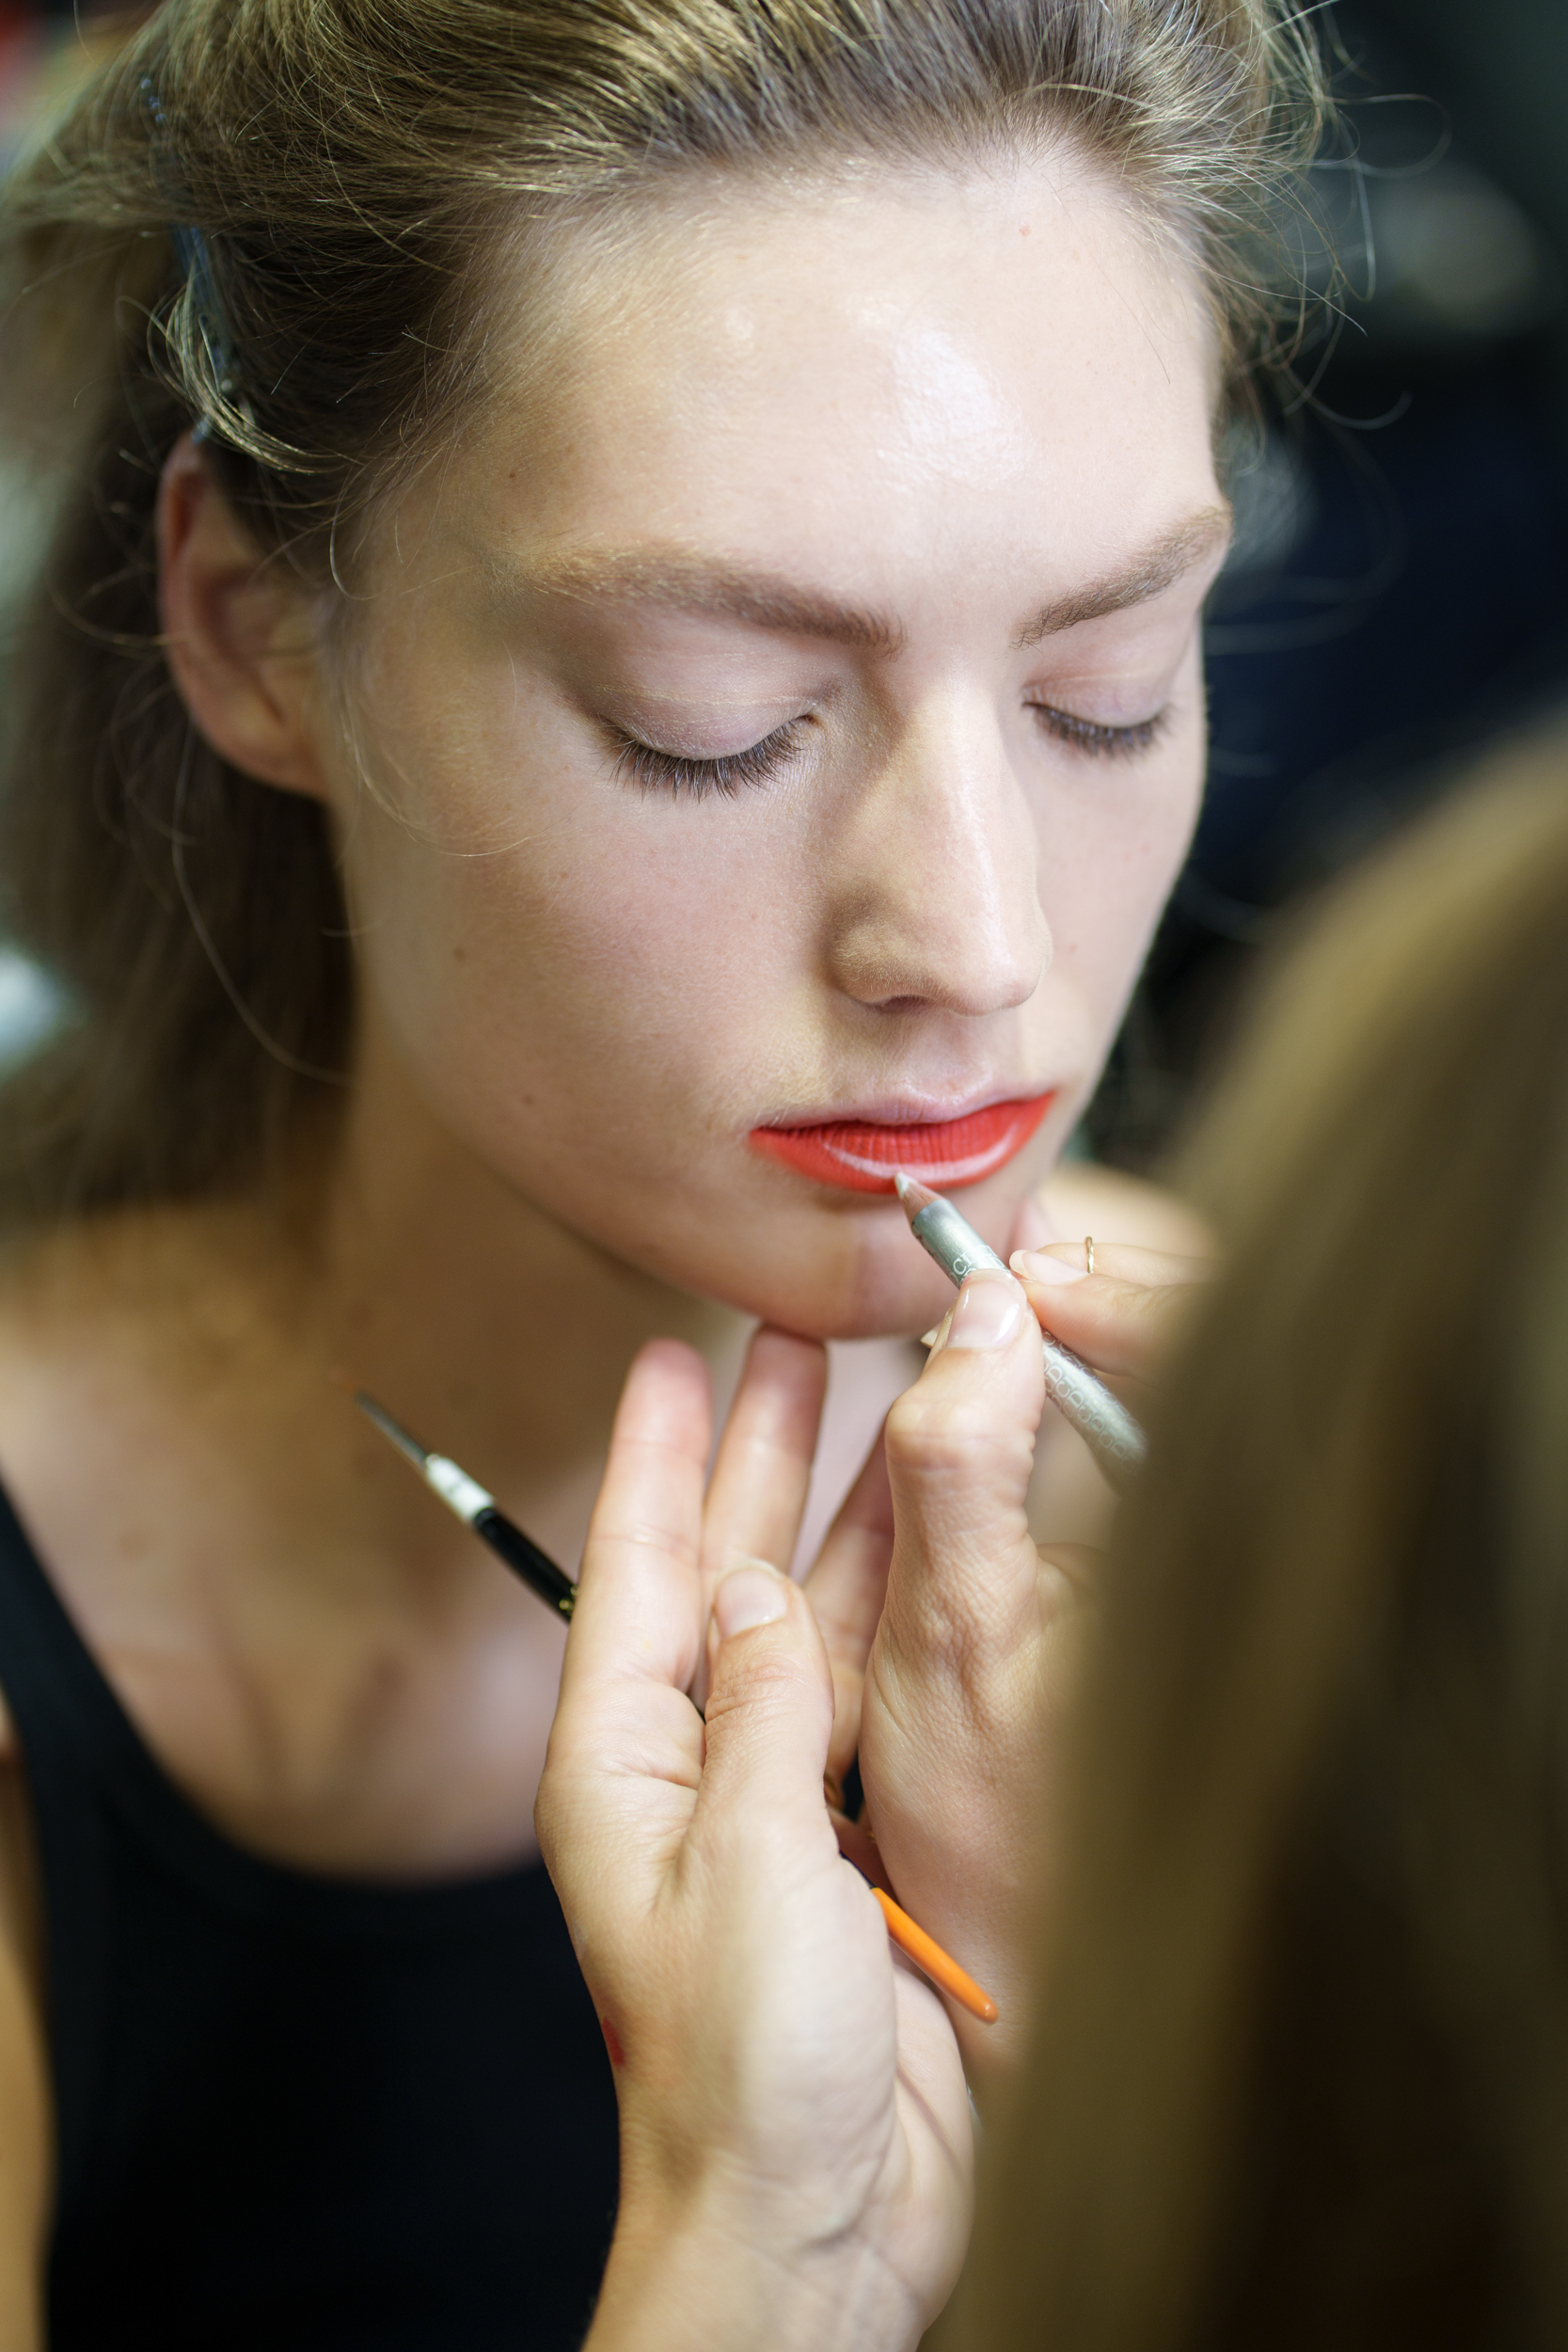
(969, 1631)
(796, 2138)
(975, 1651)
(1122, 1319)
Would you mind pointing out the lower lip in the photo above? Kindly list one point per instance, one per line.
(859, 1157)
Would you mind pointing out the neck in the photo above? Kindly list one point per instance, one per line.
(495, 1332)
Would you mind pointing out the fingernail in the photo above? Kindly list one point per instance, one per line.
(749, 1596)
(987, 1312)
(1039, 1265)
(938, 1338)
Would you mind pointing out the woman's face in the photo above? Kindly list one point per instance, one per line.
(785, 720)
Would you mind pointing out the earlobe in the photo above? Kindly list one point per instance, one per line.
(236, 632)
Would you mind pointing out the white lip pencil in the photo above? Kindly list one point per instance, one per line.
(1101, 1420)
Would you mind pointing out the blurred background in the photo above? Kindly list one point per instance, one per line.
(1398, 596)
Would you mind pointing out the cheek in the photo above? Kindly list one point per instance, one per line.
(1117, 855)
(611, 948)
(498, 845)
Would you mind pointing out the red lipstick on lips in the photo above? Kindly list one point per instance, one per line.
(864, 1156)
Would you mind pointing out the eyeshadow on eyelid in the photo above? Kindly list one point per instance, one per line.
(730, 773)
(1097, 738)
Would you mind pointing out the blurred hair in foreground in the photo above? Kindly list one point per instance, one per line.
(1302, 2077)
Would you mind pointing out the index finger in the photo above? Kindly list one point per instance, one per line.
(1122, 1318)
(757, 1492)
(846, 1587)
(638, 1606)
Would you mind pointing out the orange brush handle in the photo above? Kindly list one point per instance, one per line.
(928, 1956)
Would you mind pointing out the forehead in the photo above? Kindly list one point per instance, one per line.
(856, 378)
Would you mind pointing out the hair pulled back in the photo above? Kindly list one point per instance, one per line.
(351, 169)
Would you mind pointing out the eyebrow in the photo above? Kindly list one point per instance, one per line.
(1148, 575)
(766, 601)
(689, 583)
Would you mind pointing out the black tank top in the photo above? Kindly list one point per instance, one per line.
(292, 2110)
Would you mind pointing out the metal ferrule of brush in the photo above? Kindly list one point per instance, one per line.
(1083, 1401)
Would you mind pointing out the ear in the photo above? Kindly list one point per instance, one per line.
(237, 632)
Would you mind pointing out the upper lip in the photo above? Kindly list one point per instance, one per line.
(888, 1111)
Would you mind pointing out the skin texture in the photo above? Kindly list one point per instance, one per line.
(908, 405)
(956, 404)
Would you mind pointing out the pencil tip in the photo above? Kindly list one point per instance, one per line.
(913, 1194)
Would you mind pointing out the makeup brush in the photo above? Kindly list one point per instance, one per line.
(929, 1958)
(473, 1506)
(477, 1509)
(1101, 1420)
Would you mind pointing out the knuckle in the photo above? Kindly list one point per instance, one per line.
(771, 1677)
(773, 1690)
(920, 1428)
(964, 1450)
(951, 1679)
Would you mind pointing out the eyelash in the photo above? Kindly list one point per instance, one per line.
(667, 771)
(1097, 741)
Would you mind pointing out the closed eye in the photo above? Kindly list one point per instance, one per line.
(1096, 741)
(655, 770)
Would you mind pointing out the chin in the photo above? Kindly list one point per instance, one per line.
(897, 1318)
(828, 1264)
(886, 1288)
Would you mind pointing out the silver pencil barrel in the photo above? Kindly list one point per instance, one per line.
(1101, 1420)
(1083, 1401)
(953, 1242)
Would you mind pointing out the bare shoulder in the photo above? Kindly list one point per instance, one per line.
(87, 1366)
(1083, 1198)
(51, 1382)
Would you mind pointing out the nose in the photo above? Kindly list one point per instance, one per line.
(934, 892)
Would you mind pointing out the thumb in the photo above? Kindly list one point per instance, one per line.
(961, 1446)
(771, 1706)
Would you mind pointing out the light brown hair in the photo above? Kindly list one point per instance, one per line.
(1301, 2075)
(353, 170)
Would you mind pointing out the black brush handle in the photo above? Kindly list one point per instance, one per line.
(525, 1559)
